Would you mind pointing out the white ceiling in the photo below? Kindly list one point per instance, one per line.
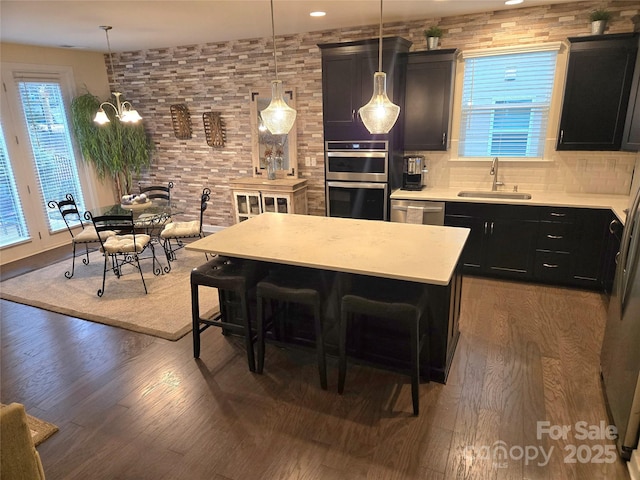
(144, 24)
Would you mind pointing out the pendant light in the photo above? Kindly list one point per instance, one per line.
(278, 117)
(124, 110)
(379, 115)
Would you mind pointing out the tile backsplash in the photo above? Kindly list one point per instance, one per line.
(575, 172)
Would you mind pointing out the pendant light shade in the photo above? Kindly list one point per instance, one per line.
(278, 117)
(380, 114)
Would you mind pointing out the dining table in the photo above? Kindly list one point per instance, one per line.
(429, 255)
(149, 218)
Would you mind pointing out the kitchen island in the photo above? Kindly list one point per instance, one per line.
(425, 254)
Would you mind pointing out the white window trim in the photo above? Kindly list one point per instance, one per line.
(558, 89)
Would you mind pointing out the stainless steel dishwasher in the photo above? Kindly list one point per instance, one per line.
(417, 211)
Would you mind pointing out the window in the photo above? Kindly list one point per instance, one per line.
(506, 97)
(44, 113)
(12, 224)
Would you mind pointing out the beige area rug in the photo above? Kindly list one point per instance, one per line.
(164, 312)
(40, 430)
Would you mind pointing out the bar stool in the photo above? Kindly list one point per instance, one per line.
(288, 285)
(400, 303)
(234, 279)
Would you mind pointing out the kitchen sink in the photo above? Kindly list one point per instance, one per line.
(507, 195)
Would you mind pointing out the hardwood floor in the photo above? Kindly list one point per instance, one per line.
(130, 406)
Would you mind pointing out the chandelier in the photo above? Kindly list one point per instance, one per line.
(379, 115)
(123, 109)
(278, 117)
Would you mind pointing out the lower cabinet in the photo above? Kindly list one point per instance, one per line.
(253, 196)
(558, 245)
(501, 241)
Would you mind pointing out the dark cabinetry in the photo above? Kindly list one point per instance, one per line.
(501, 242)
(558, 245)
(631, 136)
(429, 88)
(347, 83)
(597, 89)
(571, 246)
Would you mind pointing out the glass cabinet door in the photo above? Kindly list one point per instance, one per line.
(276, 203)
(247, 205)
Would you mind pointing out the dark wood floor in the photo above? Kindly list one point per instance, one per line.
(130, 406)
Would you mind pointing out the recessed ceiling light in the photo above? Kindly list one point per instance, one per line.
(317, 14)
(513, 2)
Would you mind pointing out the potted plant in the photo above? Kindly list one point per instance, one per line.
(599, 19)
(116, 150)
(433, 35)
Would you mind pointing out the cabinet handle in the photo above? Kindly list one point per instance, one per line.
(444, 138)
(554, 214)
(555, 237)
(550, 265)
(617, 257)
(613, 226)
(486, 225)
(561, 136)
(491, 228)
(353, 115)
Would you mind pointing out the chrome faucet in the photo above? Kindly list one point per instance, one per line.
(494, 171)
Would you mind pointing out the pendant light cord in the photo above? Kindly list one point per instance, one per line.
(106, 29)
(380, 46)
(273, 33)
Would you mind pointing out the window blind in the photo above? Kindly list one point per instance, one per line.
(12, 223)
(53, 154)
(505, 104)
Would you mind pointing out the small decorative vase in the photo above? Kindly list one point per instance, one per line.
(271, 168)
(597, 27)
(432, 42)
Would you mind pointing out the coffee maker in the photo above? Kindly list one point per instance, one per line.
(412, 172)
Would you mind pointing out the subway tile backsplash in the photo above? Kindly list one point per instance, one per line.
(575, 172)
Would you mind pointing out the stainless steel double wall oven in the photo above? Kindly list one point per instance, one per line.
(357, 179)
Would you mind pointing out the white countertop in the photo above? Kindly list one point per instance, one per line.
(617, 203)
(417, 253)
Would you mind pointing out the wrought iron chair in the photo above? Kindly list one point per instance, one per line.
(123, 248)
(177, 231)
(87, 235)
(159, 194)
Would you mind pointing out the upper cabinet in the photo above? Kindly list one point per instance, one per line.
(429, 94)
(631, 136)
(597, 89)
(347, 83)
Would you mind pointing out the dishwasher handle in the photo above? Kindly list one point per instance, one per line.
(426, 209)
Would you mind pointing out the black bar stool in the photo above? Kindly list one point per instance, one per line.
(400, 303)
(234, 279)
(287, 285)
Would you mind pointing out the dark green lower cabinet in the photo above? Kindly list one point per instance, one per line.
(555, 245)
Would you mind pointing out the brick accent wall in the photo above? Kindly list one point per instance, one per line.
(219, 76)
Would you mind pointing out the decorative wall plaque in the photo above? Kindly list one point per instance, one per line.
(214, 129)
(181, 121)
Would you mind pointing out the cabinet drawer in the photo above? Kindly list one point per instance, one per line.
(552, 266)
(554, 236)
(557, 214)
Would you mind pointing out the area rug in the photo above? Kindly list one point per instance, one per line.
(40, 430)
(165, 311)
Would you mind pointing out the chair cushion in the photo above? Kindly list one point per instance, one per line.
(89, 234)
(124, 243)
(181, 229)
